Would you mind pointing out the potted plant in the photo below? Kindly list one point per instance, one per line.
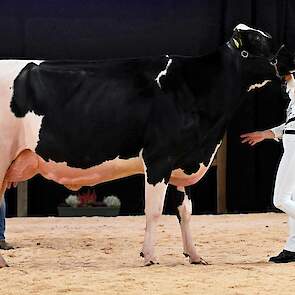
(86, 204)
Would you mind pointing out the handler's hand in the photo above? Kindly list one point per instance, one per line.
(254, 137)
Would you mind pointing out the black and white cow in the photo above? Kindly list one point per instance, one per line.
(83, 123)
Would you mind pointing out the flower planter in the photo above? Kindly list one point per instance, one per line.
(87, 211)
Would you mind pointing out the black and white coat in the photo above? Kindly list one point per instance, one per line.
(168, 112)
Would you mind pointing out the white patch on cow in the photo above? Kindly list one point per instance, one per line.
(187, 204)
(258, 85)
(38, 62)
(163, 73)
(243, 27)
(32, 126)
(213, 155)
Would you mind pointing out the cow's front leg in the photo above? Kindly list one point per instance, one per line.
(154, 201)
(184, 216)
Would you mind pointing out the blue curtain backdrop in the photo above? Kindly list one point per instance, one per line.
(93, 29)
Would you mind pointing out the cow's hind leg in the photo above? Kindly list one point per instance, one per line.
(184, 208)
(154, 201)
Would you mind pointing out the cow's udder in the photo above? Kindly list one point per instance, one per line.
(24, 167)
(27, 164)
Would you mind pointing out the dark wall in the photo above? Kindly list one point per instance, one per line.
(114, 28)
(107, 29)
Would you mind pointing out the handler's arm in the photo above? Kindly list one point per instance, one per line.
(254, 137)
(278, 131)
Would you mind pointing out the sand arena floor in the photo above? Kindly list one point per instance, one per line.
(101, 256)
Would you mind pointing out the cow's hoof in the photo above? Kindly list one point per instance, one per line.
(149, 263)
(3, 263)
(199, 261)
(150, 260)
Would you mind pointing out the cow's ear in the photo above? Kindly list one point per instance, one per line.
(237, 44)
(237, 38)
(22, 99)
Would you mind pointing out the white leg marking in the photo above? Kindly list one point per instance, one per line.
(154, 201)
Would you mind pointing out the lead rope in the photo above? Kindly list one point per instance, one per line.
(274, 64)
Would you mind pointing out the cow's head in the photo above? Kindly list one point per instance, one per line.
(254, 48)
(251, 42)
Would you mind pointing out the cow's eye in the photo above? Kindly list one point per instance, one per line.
(257, 38)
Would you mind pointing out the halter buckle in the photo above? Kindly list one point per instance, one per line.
(244, 54)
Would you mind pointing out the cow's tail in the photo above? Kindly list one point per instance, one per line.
(22, 99)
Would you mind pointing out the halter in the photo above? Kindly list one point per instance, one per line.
(274, 63)
(245, 54)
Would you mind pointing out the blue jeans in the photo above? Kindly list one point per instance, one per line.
(2, 220)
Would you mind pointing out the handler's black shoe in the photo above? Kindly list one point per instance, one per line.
(284, 257)
(5, 246)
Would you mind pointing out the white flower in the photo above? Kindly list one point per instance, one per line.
(72, 200)
(112, 201)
